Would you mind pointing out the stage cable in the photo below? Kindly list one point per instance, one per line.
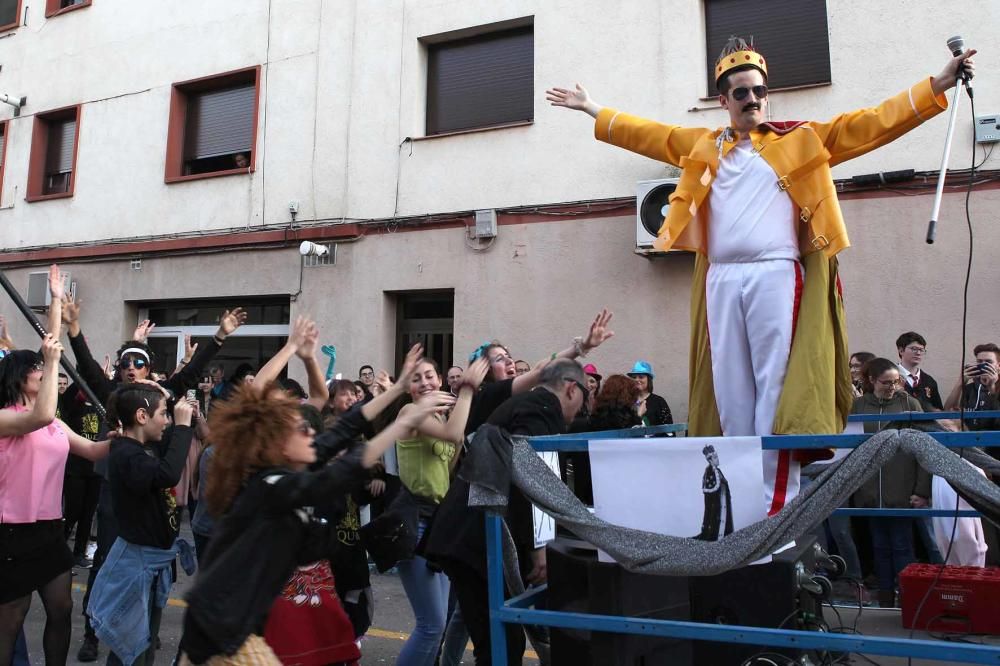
(961, 396)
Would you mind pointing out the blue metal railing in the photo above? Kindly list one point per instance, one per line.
(518, 611)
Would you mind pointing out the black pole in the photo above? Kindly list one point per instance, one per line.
(37, 325)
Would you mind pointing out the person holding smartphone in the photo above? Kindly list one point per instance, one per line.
(976, 390)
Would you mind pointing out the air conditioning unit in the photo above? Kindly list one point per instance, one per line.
(39, 297)
(652, 198)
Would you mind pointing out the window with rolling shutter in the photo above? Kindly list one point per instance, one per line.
(59, 158)
(212, 130)
(220, 122)
(791, 34)
(481, 81)
(53, 153)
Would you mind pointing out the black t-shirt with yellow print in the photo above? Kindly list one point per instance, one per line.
(82, 418)
(142, 479)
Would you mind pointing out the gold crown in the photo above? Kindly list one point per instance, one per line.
(738, 54)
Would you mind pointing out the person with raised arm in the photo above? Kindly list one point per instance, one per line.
(756, 203)
(34, 446)
(267, 473)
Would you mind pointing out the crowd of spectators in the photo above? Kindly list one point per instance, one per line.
(274, 477)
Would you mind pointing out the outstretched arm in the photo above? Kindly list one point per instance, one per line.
(855, 133)
(596, 335)
(666, 143)
(318, 391)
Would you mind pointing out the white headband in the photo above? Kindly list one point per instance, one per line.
(135, 350)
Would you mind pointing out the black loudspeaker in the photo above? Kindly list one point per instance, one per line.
(765, 595)
(579, 583)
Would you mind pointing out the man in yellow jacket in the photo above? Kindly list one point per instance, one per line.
(757, 204)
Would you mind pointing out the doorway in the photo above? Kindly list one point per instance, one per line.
(253, 343)
(427, 317)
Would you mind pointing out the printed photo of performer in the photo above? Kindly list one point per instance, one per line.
(718, 500)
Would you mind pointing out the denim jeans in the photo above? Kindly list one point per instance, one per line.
(840, 529)
(892, 542)
(925, 530)
(21, 651)
(428, 594)
(456, 638)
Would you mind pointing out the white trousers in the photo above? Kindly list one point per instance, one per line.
(752, 308)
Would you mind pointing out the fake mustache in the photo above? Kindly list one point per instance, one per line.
(752, 105)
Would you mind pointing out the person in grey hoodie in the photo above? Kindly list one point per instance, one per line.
(901, 483)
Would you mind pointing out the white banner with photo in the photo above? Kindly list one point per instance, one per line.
(698, 487)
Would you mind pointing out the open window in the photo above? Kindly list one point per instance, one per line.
(57, 7)
(213, 126)
(10, 14)
(52, 164)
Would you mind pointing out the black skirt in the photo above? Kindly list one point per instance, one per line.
(31, 555)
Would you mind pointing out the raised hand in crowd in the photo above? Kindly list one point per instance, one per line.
(319, 393)
(189, 348)
(6, 342)
(184, 412)
(474, 375)
(298, 337)
(58, 292)
(382, 383)
(71, 314)
(598, 333)
(230, 321)
(145, 327)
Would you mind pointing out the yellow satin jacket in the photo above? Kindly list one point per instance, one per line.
(801, 155)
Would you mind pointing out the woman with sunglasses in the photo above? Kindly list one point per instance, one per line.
(262, 487)
(134, 357)
(34, 446)
(502, 381)
(900, 484)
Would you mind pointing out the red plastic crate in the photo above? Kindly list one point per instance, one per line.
(965, 599)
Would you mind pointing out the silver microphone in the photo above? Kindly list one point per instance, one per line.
(957, 47)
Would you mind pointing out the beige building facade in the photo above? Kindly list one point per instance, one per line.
(340, 133)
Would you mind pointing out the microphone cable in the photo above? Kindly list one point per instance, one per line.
(961, 395)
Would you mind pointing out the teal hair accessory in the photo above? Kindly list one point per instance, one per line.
(480, 352)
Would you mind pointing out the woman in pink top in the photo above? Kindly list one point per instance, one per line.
(33, 449)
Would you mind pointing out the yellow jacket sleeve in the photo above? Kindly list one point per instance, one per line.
(666, 143)
(855, 133)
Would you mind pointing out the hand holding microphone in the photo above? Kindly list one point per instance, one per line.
(961, 66)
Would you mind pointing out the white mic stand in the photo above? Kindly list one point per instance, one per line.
(944, 163)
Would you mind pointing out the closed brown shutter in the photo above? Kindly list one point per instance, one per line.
(481, 81)
(59, 159)
(8, 12)
(220, 122)
(791, 34)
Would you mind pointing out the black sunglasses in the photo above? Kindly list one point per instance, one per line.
(137, 363)
(740, 94)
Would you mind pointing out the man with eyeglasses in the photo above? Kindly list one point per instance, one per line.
(757, 204)
(457, 540)
(912, 350)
